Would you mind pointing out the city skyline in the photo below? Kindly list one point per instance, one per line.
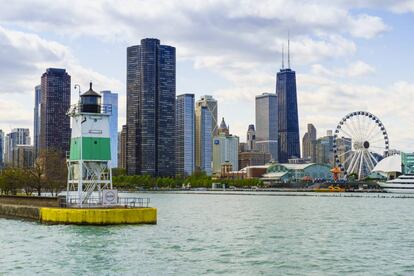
(335, 57)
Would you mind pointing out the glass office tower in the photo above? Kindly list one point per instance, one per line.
(151, 109)
(266, 124)
(288, 123)
(185, 138)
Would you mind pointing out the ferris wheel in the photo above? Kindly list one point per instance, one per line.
(359, 142)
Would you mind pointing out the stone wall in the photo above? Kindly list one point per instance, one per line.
(19, 211)
(39, 201)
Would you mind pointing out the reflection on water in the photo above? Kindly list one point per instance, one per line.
(214, 234)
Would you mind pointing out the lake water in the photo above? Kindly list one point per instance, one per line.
(225, 234)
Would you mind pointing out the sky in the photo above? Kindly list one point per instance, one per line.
(348, 55)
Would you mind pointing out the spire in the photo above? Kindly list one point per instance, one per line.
(288, 50)
(223, 129)
(223, 123)
(283, 56)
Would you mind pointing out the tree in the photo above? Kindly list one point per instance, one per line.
(50, 171)
(12, 180)
(37, 177)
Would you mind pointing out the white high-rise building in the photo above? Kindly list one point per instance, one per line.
(225, 149)
(185, 137)
(267, 124)
(110, 98)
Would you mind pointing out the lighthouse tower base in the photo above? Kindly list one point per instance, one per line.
(89, 184)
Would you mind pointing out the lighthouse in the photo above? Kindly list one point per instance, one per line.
(89, 160)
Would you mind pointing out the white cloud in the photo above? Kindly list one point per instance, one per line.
(367, 26)
(352, 70)
(239, 40)
(359, 68)
(325, 105)
(403, 6)
(23, 59)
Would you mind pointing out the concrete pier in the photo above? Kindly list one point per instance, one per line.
(98, 216)
(47, 210)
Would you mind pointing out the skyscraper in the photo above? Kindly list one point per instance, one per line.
(185, 138)
(55, 101)
(203, 105)
(288, 123)
(23, 156)
(266, 124)
(151, 109)
(203, 140)
(324, 149)
(36, 119)
(225, 149)
(1, 148)
(309, 144)
(18, 136)
(122, 148)
(211, 104)
(251, 138)
(110, 98)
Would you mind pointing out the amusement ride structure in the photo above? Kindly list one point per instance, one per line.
(360, 141)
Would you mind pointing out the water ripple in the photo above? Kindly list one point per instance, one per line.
(229, 235)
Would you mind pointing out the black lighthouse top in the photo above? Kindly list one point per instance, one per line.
(90, 101)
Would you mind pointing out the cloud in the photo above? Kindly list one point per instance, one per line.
(24, 57)
(405, 6)
(359, 68)
(367, 26)
(352, 70)
(326, 103)
(240, 41)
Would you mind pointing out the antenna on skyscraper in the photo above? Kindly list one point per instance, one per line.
(288, 50)
(283, 56)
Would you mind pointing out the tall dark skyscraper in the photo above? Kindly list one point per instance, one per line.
(288, 123)
(151, 109)
(55, 101)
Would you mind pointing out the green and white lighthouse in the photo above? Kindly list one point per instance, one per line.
(89, 168)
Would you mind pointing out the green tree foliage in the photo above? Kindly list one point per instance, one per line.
(118, 171)
(12, 180)
(49, 173)
(197, 180)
